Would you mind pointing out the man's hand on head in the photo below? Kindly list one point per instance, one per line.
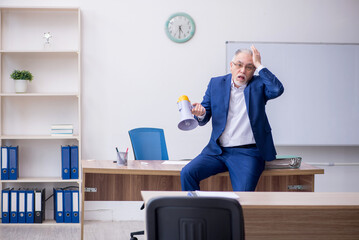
(256, 57)
(198, 110)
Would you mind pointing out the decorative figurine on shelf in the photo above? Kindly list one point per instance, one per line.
(47, 36)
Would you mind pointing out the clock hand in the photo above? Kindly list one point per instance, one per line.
(175, 34)
(183, 33)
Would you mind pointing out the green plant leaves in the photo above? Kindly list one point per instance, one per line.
(21, 75)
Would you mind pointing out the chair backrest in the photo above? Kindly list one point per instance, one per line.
(148, 144)
(194, 218)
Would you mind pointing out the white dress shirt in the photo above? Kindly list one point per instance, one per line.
(238, 130)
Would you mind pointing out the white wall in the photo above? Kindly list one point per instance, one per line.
(133, 74)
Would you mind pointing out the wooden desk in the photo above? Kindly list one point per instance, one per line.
(115, 183)
(125, 183)
(294, 215)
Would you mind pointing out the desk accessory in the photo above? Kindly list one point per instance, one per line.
(284, 161)
(122, 157)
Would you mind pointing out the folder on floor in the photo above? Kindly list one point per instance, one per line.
(13, 206)
(74, 162)
(13, 163)
(65, 159)
(4, 163)
(39, 209)
(21, 215)
(67, 206)
(30, 200)
(75, 206)
(58, 205)
(5, 205)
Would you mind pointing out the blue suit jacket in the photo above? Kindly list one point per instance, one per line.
(259, 90)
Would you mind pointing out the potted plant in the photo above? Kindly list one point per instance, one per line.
(21, 80)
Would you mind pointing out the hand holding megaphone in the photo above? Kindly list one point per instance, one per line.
(198, 110)
(187, 121)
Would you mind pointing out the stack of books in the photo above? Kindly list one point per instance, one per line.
(62, 130)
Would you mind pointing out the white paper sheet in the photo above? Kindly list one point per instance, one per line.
(214, 194)
(171, 162)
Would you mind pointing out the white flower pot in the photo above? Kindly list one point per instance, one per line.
(20, 86)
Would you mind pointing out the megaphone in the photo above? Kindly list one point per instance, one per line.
(187, 120)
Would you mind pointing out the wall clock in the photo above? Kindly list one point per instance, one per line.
(180, 27)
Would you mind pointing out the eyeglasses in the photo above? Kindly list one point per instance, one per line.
(249, 68)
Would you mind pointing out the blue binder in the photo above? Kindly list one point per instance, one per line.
(5, 205)
(13, 206)
(30, 204)
(65, 157)
(21, 215)
(67, 206)
(75, 206)
(13, 163)
(74, 162)
(58, 205)
(4, 163)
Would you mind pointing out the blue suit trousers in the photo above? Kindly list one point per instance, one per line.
(245, 166)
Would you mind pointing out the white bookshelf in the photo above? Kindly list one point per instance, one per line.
(39, 137)
(40, 95)
(53, 97)
(42, 180)
(47, 222)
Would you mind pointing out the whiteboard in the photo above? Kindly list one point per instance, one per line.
(320, 103)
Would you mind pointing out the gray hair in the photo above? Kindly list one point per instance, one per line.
(244, 50)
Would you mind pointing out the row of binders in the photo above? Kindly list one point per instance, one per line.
(66, 205)
(70, 162)
(23, 205)
(9, 163)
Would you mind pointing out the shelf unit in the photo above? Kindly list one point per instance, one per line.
(53, 97)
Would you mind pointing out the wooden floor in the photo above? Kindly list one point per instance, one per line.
(94, 230)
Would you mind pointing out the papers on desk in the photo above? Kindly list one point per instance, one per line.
(213, 194)
(172, 162)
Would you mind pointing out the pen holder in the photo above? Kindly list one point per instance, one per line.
(122, 158)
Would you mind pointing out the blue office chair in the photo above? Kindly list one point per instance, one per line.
(194, 218)
(148, 144)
